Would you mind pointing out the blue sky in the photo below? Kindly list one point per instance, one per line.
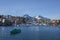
(45, 8)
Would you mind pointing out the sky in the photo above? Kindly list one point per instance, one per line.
(45, 8)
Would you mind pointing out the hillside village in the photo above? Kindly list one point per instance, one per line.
(8, 20)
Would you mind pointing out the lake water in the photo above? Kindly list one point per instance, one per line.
(31, 33)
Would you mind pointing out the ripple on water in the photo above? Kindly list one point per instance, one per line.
(33, 33)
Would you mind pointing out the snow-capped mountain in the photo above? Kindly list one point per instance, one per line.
(42, 18)
(30, 19)
(27, 16)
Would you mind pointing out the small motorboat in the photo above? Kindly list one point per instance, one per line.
(15, 31)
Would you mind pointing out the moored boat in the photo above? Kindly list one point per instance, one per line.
(15, 31)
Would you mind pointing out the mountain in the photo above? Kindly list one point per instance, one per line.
(27, 16)
(33, 19)
(42, 18)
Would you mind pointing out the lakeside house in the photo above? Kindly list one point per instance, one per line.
(54, 22)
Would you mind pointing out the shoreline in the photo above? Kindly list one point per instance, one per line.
(26, 25)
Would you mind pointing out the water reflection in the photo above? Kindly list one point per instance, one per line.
(31, 33)
(2, 28)
(37, 28)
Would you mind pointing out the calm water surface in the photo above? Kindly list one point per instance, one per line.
(31, 33)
